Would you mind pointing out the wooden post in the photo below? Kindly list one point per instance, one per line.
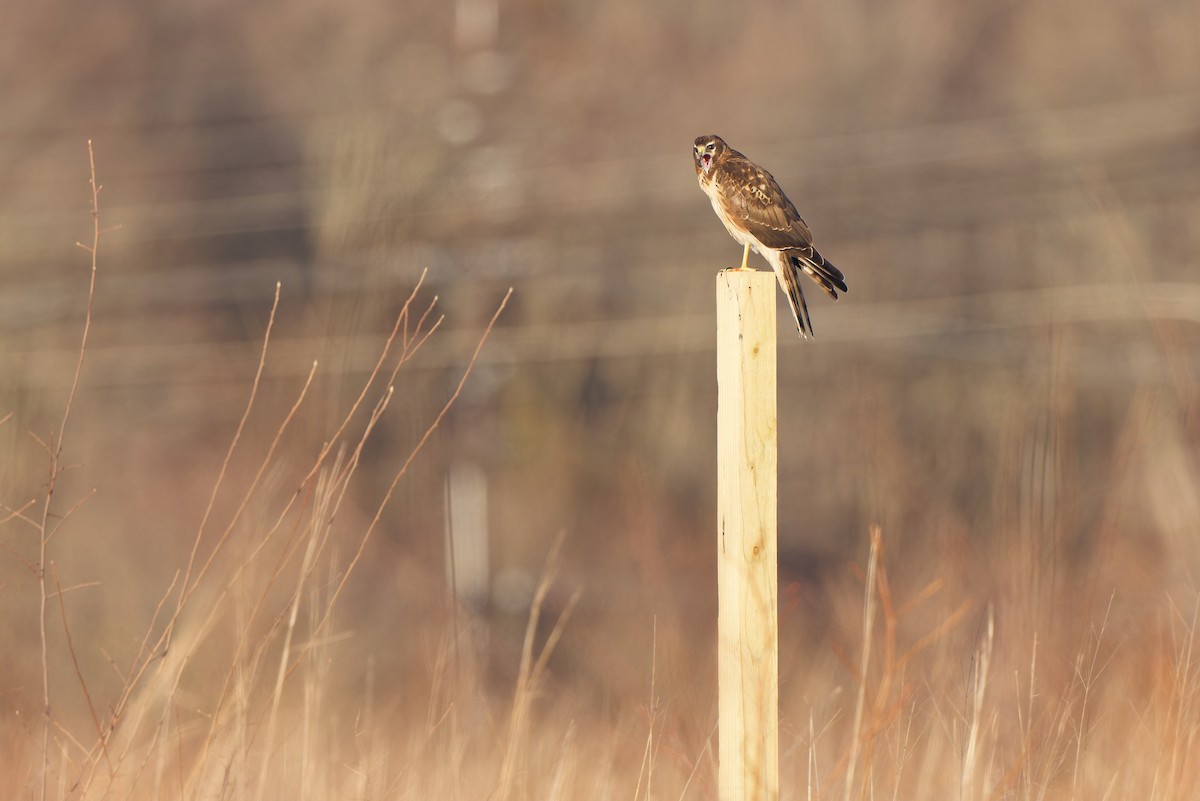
(747, 623)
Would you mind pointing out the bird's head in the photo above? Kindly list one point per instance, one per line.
(706, 151)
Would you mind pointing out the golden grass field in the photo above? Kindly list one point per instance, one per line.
(346, 256)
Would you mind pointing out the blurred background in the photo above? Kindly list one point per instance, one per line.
(1012, 190)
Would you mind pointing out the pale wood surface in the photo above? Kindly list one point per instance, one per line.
(747, 455)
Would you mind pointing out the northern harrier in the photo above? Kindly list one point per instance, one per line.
(758, 215)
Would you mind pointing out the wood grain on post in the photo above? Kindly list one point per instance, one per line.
(747, 454)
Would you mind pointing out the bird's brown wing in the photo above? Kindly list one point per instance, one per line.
(752, 199)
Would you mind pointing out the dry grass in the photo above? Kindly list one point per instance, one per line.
(222, 569)
(251, 681)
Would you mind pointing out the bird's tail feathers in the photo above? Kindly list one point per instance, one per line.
(789, 281)
(819, 269)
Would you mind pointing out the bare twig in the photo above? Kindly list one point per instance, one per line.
(387, 496)
(101, 736)
(186, 588)
(54, 447)
(401, 321)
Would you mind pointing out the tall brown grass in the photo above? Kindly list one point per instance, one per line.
(960, 673)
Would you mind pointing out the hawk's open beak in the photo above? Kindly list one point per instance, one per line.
(705, 162)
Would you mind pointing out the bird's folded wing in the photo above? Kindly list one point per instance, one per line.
(753, 200)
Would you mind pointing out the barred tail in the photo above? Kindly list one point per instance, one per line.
(789, 282)
(819, 269)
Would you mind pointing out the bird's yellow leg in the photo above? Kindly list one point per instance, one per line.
(745, 256)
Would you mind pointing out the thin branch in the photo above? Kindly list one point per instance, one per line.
(62, 610)
(87, 319)
(254, 484)
(65, 516)
(401, 320)
(60, 591)
(185, 587)
(19, 514)
(55, 470)
(387, 496)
